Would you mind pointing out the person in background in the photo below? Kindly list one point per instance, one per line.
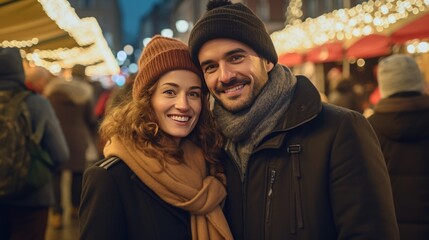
(162, 177)
(401, 122)
(334, 76)
(36, 78)
(73, 105)
(27, 217)
(344, 95)
(298, 168)
(78, 72)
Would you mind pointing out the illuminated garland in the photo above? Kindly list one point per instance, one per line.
(86, 32)
(294, 12)
(345, 24)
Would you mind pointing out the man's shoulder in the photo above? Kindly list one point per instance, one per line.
(336, 112)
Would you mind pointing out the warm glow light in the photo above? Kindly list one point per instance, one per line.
(129, 49)
(411, 49)
(363, 19)
(360, 62)
(87, 34)
(423, 47)
(417, 46)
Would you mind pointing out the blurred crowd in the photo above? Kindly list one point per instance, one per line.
(80, 104)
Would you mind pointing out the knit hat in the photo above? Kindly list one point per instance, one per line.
(399, 73)
(11, 69)
(10, 62)
(224, 19)
(160, 56)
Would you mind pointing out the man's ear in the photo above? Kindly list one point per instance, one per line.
(268, 65)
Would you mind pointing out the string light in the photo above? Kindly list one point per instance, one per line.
(345, 24)
(66, 18)
(294, 12)
(93, 51)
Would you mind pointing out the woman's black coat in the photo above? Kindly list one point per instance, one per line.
(116, 205)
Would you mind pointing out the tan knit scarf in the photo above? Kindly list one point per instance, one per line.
(186, 186)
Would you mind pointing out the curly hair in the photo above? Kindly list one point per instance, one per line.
(135, 123)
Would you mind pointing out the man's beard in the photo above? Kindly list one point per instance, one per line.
(235, 108)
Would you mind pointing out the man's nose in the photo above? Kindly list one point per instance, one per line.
(225, 73)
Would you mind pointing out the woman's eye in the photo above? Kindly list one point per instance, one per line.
(169, 92)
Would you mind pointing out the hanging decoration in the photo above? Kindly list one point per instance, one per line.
(370, 17)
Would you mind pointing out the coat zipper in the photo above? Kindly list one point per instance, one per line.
(296, 201)
(243, 190)
(269, 195)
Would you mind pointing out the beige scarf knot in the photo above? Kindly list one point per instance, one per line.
(186, 186)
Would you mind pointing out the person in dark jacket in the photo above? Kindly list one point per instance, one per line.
(344, 95)
(401, 122)
(298, 168)
(26, 217)
(162, 177)
(73, 105)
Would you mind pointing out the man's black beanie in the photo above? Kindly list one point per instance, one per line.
(224, 19)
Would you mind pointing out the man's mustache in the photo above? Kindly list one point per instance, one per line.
(232, 82)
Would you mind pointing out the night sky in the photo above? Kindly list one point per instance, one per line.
(132, 12)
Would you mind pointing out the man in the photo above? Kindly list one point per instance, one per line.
(298, 169)
(400, 121)
(26, 217)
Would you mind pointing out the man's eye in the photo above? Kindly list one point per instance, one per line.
(236, 58)
(210, 69)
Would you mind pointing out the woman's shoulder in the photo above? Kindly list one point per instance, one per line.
(107, 170)
(108, 164)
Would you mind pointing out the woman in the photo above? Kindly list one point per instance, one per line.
(161, 178)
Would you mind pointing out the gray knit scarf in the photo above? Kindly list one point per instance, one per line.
(247, 128)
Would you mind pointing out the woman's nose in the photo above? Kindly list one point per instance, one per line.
(182, 102)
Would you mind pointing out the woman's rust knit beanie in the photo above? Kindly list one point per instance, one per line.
(160, 56)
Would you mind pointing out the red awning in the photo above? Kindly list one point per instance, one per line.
(328, 52)
(291, 59)
(373, 45)
(418, 28)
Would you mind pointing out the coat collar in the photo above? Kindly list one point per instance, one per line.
(402, 104)
(306, 105)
